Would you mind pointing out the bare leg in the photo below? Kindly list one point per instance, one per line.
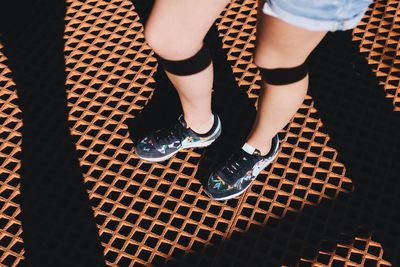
(175, 30)
(279, 45)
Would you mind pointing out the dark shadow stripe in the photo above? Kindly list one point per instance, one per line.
(57, 219)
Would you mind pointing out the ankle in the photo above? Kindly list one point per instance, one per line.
(202, 125)
(264, 146)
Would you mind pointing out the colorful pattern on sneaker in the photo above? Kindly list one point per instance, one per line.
(240, 170)
(163, 144)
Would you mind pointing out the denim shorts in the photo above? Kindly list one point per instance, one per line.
(318, 15)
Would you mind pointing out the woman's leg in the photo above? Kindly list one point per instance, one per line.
(279, 48)
(279, 45)
(175, 30)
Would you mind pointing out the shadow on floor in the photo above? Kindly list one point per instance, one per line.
(57, 219)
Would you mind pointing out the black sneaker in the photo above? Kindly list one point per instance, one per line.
(239, 171)
(163, 144)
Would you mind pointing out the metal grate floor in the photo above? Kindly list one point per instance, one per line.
(158, 213)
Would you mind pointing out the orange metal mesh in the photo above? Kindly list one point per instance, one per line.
(378, 35)
(155, 212)
(10, 141)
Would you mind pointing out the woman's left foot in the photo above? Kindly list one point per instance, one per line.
(240, 170)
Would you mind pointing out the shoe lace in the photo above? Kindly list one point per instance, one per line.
(170, 134)
(237, 165)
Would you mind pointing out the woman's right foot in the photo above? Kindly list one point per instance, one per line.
(236, 175)
(163, 144)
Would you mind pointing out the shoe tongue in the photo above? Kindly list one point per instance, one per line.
(249, 149)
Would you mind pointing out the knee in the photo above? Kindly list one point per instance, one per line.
(168, 45)
(152, 35)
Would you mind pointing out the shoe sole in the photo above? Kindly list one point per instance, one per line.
(166, 157)
(247, 187)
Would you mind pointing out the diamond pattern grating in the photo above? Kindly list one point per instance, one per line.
(379, 36)
(157, 213)
(10, 140)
